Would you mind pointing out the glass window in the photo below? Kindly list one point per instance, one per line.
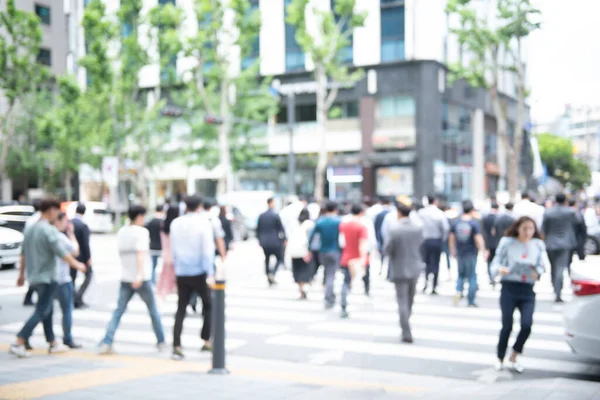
(45, 57)
(255, 52)
(348, 110)
(306, 113)
(43, 13)
(392, 33)
(396, 106)
(294, 56)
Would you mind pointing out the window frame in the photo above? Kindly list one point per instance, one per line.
(37, 8)
(40, 58)
(396, 39)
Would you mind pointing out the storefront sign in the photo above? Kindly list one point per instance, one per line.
(395, 181)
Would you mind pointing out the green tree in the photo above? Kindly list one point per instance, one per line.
(137, 130)
(557, 154)
(494, 41)
(325, 45)
(20, 73)
(216, 86)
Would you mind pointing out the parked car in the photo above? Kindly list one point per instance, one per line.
(592, 243)
(97, 216)
(582, 327)
(11, 242)
(15, 216)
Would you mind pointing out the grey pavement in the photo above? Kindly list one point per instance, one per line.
(269, 330)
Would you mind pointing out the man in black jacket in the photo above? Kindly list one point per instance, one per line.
(488, 222)
(82, 234)
(580, 232)
(559, 227)
(272, 239)
(154, 226)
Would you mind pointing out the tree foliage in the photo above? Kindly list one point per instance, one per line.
(557, 154)
(493, 41)
(325, 42)
(20, 73)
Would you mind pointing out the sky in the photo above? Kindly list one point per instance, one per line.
(564, 57)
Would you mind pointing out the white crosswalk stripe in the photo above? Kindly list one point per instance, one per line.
(273, 321)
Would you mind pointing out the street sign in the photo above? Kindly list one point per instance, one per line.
(110, 171)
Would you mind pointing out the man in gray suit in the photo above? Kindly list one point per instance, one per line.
(559, 227)
(403, 241)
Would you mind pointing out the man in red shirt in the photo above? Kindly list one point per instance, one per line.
(354, 237)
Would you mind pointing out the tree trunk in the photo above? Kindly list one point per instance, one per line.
(226, 182)
(69, 185)
(513, 172)
(502, 134)
(321, 79)
(142, 187)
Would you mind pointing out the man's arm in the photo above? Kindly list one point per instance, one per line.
(21, 278)
(139, 261)
(478, 237)
(280, 227)
(86, 245)
(452, 244)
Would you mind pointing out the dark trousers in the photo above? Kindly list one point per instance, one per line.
(515, 295)
(84, 286)
(367, 279)
(276, 251)
(186, 286)
(432, 251)
(559, 261)
(490, 259)
(43, 311)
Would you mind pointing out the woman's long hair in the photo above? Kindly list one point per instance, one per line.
(172, 213)
(513, 230)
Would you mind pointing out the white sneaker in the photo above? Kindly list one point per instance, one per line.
(57, 348)
(18, 350)
(517, 367)
(161, 347)
(499, 366)
(105, 349)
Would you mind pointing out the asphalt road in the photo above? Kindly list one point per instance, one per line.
(270, 323)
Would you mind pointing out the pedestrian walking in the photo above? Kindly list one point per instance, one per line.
(403, 244)
(354, 236)
(580, 232)
(559, 226)
(503, 221)
(520, 261)
(435, 232)
(193, 243)
(154, 226)
(271, 237)
(66, 293)
(489, 238)
(465, 242)
(328, 230)
(82, 233)
(41, 245)
(227, 227)
(133, 241)
(167, 283)
(299, 250)
(528, 208)
(386, 207)
(35, 217)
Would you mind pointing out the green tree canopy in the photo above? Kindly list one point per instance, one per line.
(557, 154)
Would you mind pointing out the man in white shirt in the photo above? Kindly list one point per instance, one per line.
(527, 208)
(133, 241)
(193, 243)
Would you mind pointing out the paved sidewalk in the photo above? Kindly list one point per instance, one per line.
(85, 375)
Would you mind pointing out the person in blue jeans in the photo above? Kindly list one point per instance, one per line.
(41, 245)
(465, 243)
(520, 261)
(66, 291)
(134, 250)
(328, 230)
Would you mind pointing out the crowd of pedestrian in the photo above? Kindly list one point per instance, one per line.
(520, 242)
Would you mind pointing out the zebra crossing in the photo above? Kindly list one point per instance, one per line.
(271, 323)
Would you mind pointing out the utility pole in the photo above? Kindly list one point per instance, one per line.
(291, 114)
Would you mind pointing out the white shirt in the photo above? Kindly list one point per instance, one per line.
(63, 269)
(130, 240)
(374, 210)
(193, 244)
(289, 216)
(591, 218)
(297, 246)
(313, 211)
(526, 208)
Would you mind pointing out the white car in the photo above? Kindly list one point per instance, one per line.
(11, 242)
(582, 327)
(97, 216)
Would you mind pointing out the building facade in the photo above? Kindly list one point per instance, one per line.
(401, 130)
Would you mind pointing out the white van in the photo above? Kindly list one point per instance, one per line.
(97, 216)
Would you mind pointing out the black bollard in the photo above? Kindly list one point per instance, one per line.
(218, 361)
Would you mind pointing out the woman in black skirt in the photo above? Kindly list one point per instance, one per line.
(299, 251)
